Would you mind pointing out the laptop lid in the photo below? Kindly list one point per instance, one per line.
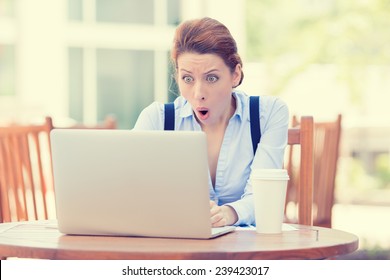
(131, 183)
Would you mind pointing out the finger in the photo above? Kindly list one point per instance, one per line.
(217, 216)
(215, 210)
(219, 222)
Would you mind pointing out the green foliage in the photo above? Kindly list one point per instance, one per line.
(349, 33)
(359, 178)
(382, 167)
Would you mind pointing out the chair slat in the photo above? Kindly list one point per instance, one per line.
(26, 179)
(24, 182)
(325, 156)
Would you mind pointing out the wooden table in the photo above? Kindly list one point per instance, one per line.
(41, 239)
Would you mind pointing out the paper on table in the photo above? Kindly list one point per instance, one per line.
(285, 227)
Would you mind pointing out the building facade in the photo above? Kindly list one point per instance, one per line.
(79, 60)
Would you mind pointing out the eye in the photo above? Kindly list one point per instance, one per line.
(187, 79)
(211, 79)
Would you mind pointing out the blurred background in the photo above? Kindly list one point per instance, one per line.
(81, 60)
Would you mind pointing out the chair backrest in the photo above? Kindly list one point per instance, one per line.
(300, 138)
(26, 179)
(326, 153)
(26, 183)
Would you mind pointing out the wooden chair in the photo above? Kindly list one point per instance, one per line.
(26, 183)
(300, 138)
(326, 153)
(26, 179)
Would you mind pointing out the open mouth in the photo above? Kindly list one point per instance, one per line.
(203, 112)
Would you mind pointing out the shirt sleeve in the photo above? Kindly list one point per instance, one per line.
(274, 120)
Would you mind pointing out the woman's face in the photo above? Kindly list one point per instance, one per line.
(206, 82)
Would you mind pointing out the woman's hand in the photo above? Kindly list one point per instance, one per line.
(222, 215)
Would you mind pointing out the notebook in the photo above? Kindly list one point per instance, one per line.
(132, 183)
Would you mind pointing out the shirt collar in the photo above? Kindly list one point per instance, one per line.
(187, 110)
(239, 108)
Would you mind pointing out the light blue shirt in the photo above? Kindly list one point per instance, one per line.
(236, 160)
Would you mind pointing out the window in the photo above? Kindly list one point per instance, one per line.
(174, 12)
(75, 9)
(125, 84)
(125, 11)
(117, 70)
(76, 97)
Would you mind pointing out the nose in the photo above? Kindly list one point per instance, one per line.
(198, 91)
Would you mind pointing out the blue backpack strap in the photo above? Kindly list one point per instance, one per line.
(254, 111)
(169, 113)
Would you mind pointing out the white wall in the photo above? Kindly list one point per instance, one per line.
(41, 56)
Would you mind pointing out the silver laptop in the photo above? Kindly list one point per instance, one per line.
(132, 183)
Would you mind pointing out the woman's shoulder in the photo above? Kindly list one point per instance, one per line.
(153, 108)
(272, 102)
(150, 117)
(267, 102)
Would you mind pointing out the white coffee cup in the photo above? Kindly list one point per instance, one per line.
(269, 194)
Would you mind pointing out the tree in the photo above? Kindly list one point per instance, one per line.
(352, 34)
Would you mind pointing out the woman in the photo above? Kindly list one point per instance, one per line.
(208, 69)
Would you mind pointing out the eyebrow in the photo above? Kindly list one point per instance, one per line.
(208, 72)
(181, 70)
(212, 70)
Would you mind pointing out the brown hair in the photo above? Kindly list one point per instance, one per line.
(206, 36)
